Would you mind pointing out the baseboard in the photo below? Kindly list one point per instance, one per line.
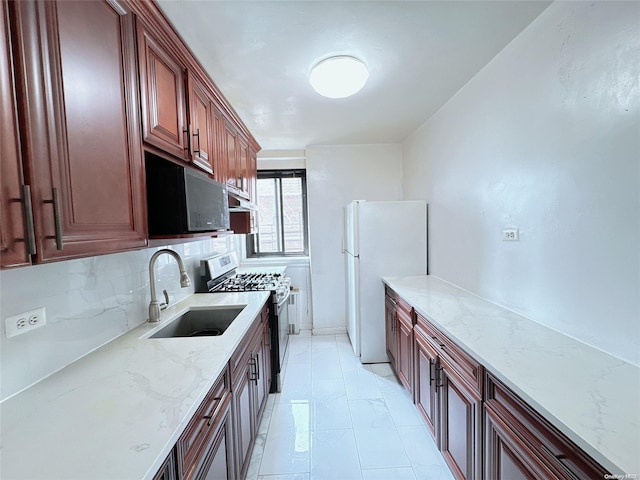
(329, 331)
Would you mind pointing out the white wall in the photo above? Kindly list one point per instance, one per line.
(335, 176)
(546, 139)
(88, 302)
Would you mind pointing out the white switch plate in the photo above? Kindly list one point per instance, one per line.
(510, 235)
(25, 322)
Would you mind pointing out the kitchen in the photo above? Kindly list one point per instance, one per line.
(543, 138)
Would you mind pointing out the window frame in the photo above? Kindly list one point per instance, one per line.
(252, 241)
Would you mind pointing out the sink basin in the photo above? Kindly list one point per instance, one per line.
(210, 322)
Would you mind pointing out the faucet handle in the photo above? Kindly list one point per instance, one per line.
(166, 300)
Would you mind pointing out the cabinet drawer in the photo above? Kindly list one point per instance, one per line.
(398, 302)
(551, 446)
(465, 366)
(203, 424)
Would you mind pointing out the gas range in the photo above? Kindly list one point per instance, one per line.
(249, 282)
(219, 274)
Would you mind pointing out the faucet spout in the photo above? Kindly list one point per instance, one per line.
(185, 281)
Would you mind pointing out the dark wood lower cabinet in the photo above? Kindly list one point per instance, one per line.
(243, 394)
(219, 464)
(390, 330)
(425, 384)
(404, 358)
(217, 442)
(506, 456)
(460, 417)
(251, 384)
(194, 448)
(532, 443)
(168, 469)
(483, 429)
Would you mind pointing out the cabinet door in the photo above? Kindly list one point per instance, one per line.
(425, 385)
(536, 442)
(243, 395)
(460, 419)
(168, 469)
(162, 80)
(78, 65)
(200, 128)
(390, 330)
(506, 457)
(404, 357)
(261, 382)
(13, 236)
(231, 155)
(219, 464)
(253, 175)
(219, 144)
(242, 169)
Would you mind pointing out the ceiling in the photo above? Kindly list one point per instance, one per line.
(419, 54)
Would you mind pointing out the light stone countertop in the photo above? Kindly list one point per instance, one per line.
(589, 395)
(117, 412)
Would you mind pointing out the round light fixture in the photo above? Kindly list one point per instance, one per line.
(338, 77)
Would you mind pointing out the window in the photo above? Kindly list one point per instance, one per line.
(282, 214)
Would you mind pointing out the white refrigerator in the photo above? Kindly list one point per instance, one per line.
(380, 239)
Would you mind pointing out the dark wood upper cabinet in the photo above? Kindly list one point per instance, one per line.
(200, 129)
(242, 168)
(77, 67)
(13, 235)
(219, 144)
(230, 156)
(86, 87)
(162, 86)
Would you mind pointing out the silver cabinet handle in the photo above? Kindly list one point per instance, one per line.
(257, 367)
(197, 134)
(57, 217)
(27, 212)
(187, 147)
(431, 376)
(438, 379)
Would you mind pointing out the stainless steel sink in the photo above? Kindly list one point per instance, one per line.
(208, 322)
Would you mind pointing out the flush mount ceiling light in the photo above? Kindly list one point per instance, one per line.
(338, 77)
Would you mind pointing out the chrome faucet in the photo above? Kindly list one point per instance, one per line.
(154, 306)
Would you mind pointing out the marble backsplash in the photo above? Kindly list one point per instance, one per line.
(88, 302)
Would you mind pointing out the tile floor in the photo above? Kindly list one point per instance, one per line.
(337, 419)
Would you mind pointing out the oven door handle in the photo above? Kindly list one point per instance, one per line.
(286, 298)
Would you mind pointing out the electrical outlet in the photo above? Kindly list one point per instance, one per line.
(510, 235)
(25, 322)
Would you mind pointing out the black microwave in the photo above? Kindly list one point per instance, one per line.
(181, 200)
